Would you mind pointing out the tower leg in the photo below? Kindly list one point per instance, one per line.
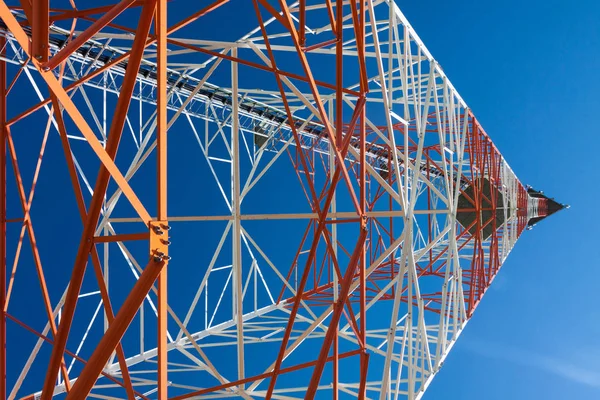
(161, 138)
(2, 223)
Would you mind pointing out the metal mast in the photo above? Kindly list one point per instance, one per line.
(335, 210)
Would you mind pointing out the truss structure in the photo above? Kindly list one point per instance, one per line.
(335, 211)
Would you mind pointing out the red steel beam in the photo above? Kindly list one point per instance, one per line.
(359, 25)
(49, 341)
(102, 180)
(124, 57)
(93, 369)
(340, 149)
(40, 29)
(335, 318)
(260, 377)
(340, 152)
(122, 237)
(70, 14)
(2, 222)
(95, 258)
(26, 7)
(59, 91)
(26, 205)
(84, 36)
(302, 22)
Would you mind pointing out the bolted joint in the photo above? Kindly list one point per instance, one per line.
(159, 241)
(160, 256)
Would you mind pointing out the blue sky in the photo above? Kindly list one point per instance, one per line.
(529, 70)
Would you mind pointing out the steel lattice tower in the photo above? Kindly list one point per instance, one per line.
(335, 210)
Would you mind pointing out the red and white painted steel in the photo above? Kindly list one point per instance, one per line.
(383, 279)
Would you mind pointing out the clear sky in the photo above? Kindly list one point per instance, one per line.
(529, 71)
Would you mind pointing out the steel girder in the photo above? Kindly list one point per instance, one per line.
(356, 281)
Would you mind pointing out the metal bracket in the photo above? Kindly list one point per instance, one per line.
(159, 241)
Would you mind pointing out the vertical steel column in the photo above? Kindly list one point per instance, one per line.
(302, 22)
(339, 104)
(2, 222)
(97, 198)
(334, 239)
(40, 29)
(161, 155)
(237, 227)
(364, 356)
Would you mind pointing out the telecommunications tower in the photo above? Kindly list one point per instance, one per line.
(238, 198)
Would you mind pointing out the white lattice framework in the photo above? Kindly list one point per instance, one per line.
(231, 304)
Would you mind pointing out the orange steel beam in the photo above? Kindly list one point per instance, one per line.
(335, 318)
(302, 21)
(48, 340)
(3, 93)
(260, 377)
(40, 29)
(26, 7)
(95, 258)
(122, 237)
(331, 14)
(84, 36)
(335, 367)
(335, 145)
(241, 61)
(75, 115)
(104, 174)
(339, 107)
(61, 95)
(84, 383)
(175, 28)
(159, 250)
(131, 395)
(161, 153)
(274, 13)
(340, 152)
(359, 33)
(25, 205)
(293, 128)
(364, 367)
(14, 80)
(181, 24)
(69, 14)
(339, 149)
(359, 25)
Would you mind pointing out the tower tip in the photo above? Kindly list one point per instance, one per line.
(541, 206)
